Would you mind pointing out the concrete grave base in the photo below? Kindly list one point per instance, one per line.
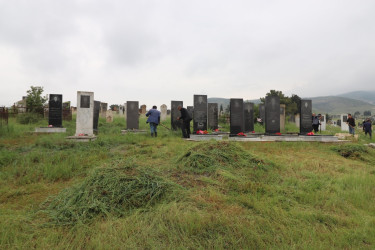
(135, 131)
(50, 130)
(84, 138)
(206, 137)
(287, 138)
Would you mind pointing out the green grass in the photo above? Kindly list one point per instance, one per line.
(134, 191)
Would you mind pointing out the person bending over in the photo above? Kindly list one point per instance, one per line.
(154, 120)
(185, 117)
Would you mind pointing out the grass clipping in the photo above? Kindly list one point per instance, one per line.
(208, 156)
(107, 191)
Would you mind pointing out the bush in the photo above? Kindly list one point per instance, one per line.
(29, 118)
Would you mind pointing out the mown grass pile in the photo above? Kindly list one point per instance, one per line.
(208, 156)
(106, 191)
(353, 151)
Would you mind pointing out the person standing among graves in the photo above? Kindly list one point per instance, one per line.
(315, 122)
(186, 118)
(367, 127)
(351, 122)
(154, 120)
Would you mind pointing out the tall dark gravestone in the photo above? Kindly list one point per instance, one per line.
(55, 110)
(175, 124)
(262, 112)
(248, 109)
(132, 115)
(236, 116)
(306, 117)
(213, 116)
(96, 115)
(200, 112)
(272, 107)
(190, 110)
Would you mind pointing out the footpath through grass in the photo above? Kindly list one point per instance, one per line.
(134, 191)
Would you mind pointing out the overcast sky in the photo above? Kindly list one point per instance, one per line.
(157, 51)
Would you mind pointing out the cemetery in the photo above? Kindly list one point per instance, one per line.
(253, 170)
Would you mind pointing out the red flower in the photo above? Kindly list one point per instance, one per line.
(241, 134)
(253, 132)
(278, 133)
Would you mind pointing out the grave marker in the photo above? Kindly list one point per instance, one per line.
(248, 109)
(306, 117)
(200, 112)
(132, 115)
(85, 113)
(272, 107)
(175, 124)
(55, 110)
(236, 116)
(213, 116)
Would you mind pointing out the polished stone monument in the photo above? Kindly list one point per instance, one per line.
(190, 110)
(236, 116)
(213, 116)
(305, 117)
(55, 110)
(175, 124)
(85, 114)
(272, 107)
(200, 113)
(132, 115)
(248, 109)
(97, 107)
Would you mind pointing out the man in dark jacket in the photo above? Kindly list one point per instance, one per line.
(185, 117)
(367, 127)
(154, 120)
(351, 122)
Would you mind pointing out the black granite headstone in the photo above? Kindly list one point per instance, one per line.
(272, 107)
(305, 117)
(96, 115)
(190, 110)
(236, 116)
(175, 124)
(262, 112)
(132, 115)
(213, 116)
(200, 112)
(248, 109)
(55, 110)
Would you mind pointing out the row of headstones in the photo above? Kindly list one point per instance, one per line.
(204, 114)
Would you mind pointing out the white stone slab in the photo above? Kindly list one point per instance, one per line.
(85, 115)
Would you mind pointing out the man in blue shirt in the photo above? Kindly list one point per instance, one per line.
(154, 120)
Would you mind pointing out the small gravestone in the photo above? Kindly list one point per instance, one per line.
(67, 111)
(85, 114)
(200, 112)
(306, 117)
(272, 107)
(190, 110)
(168, 112)
(109, 118)
(143, 109)
(103, 109)
(323, 123)
(248, 109)
(282, 116)
(236, 116)
(213, 116)
(55, 110)
(262, 112)
(132, 115)
(175, 124)
(297, 120)
(163, 112)
(343, 124)
(97, 108)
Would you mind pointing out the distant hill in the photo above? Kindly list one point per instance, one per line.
(366, 96)
(339, 105)
(325, 104)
